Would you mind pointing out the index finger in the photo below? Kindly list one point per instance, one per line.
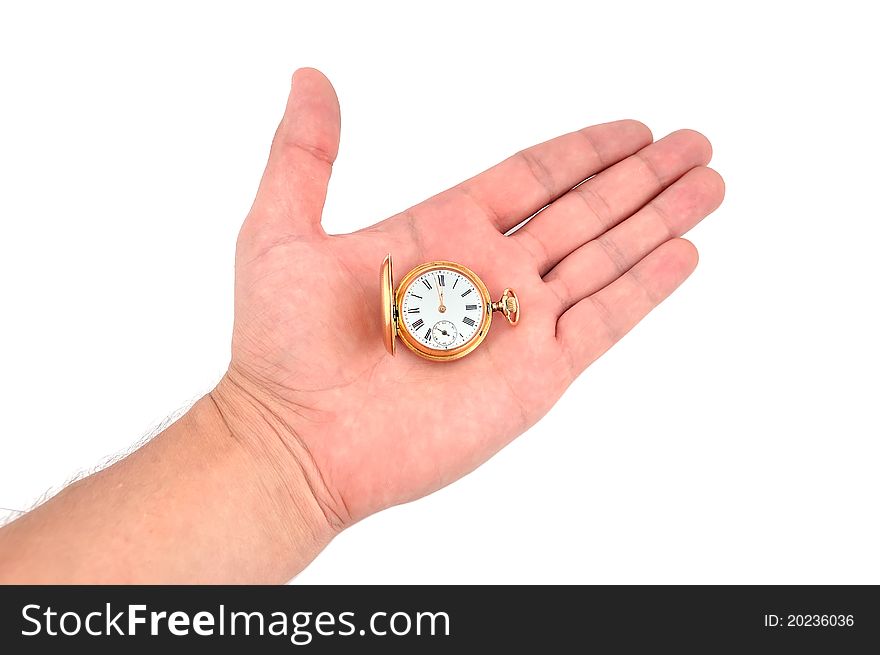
(522, 184)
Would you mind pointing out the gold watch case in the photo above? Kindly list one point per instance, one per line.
(391, 302)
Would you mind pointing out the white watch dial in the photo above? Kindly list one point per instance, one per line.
(442, 309)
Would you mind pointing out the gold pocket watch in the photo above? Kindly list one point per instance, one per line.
(441, 310)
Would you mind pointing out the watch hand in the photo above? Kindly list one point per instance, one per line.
(440, 294)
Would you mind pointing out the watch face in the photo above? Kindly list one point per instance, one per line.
(442, 309)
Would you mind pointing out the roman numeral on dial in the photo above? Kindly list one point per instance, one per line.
(414, 310)
(428, 335)
(441, 280)
(456, 282)
(470, 307)
(467, 320)
(419, 323)
(466, 293)
(427, 284)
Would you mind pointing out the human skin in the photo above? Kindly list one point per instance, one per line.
(315, 426)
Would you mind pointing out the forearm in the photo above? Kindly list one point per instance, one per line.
(196, 504)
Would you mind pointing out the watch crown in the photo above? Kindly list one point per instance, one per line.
(509, 306)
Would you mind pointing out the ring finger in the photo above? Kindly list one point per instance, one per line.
(601, 261)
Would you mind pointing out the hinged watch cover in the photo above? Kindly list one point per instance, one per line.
(389, 313)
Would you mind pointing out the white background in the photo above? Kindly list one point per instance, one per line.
(732, 437)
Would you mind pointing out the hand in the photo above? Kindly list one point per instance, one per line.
(315, 426)
(308, 368)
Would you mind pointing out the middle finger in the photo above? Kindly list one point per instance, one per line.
(603, 201)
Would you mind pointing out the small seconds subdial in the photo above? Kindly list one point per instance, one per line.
(442, 309)
(444, 333)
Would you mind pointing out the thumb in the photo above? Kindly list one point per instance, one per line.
(294, 185)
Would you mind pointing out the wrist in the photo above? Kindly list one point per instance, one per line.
(278, 464)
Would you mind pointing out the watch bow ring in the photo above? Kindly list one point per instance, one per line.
(441, 310)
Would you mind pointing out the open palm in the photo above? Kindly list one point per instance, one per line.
(370, 430)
